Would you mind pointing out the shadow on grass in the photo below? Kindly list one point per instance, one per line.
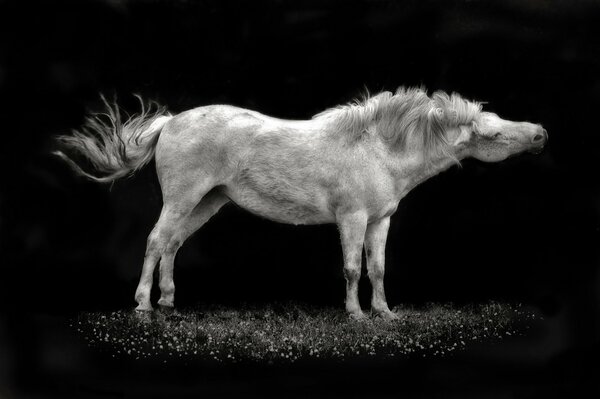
(287, 333)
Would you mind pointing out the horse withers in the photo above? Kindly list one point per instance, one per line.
(348, 165)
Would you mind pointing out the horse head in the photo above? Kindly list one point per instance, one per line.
(491, 139)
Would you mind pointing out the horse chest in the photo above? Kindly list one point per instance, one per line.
(381, 204)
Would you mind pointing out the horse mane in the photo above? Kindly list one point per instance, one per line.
(407, 113)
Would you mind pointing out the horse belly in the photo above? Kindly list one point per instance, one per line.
(279, 197)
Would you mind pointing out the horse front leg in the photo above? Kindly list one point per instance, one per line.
(375, 239)
(352, 232)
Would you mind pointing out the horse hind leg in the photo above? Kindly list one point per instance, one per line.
(206, 208)
(176, 210)
(167, 225)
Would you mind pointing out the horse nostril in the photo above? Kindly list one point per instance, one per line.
(538, 137)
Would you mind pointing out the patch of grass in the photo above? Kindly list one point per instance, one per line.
(292, 332)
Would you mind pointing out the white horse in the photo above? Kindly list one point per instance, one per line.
(348, 165)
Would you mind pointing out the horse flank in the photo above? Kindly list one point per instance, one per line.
(407, 113)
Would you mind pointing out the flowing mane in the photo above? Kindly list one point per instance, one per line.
(408, 112)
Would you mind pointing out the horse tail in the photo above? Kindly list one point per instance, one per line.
(113, 147)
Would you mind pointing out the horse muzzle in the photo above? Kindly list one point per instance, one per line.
(538, 141)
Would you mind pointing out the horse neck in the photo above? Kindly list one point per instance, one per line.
(411, 169)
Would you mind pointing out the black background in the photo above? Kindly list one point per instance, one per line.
(525, 230)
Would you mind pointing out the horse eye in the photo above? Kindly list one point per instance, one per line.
(497, 135)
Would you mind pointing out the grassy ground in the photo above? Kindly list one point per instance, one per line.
(292, 332)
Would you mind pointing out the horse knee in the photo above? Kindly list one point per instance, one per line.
(376, 271)
(352, 273)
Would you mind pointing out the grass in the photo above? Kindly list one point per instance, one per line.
(291, 332)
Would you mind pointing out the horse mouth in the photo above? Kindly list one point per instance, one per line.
(536, 150)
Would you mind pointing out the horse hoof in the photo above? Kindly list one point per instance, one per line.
(143, 316)
(358, 316)
(144, 308)
(167, 309)
(167, 303)
(387, 315)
